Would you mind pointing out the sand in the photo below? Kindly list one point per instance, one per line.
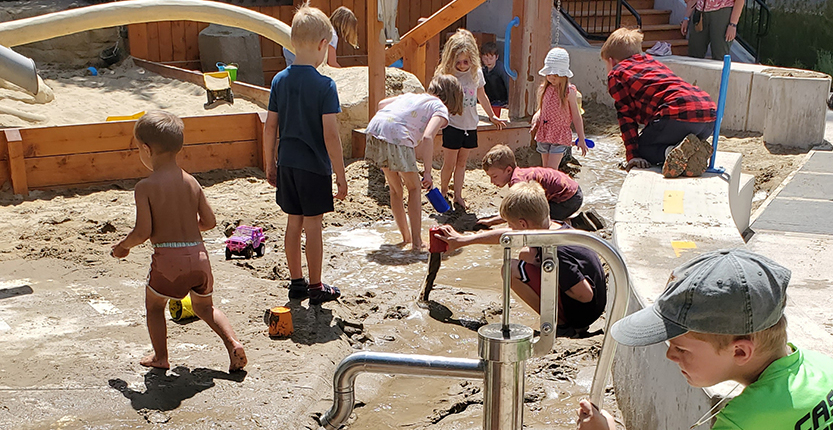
(72, 317)
(121, 90)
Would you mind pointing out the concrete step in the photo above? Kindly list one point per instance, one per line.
(651, 32)
(515, 135)
(678, 46)
(661, 32)
(649, 16)
(575, 4)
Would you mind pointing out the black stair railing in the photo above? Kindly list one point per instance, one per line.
(596, 19)
(753, 26)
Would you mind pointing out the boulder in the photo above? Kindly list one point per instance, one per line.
(352, 93)
(219, 43)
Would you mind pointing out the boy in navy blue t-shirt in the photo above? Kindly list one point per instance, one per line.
(303, 105)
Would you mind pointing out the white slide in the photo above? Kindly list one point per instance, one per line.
(37, 28)
(20, 70)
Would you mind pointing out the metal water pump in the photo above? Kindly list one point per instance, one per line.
(504, 347)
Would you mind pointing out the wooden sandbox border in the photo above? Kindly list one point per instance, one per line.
(78, 155)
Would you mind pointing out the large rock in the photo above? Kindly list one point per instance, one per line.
(352, 93)
(219, 43)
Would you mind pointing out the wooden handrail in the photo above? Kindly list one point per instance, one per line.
(424, 31)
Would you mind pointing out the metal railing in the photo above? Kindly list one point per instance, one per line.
(753, 26)
(595, 20)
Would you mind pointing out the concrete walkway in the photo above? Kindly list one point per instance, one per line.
(660, 223)
(794, 228)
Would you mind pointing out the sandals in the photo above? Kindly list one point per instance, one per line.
(327, 293)
(298, 290)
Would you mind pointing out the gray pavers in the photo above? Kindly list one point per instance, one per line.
(805, 204)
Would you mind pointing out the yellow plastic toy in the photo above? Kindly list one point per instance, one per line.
(181, 309)
(217, 89)
(126, 117)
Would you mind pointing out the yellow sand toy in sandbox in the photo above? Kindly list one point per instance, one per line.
(217, 89)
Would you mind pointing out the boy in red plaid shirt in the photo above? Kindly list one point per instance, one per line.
(678, 116)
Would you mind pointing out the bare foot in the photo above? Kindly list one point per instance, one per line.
(152, 361)
(238, 358)
(460, 202)
(420, 247)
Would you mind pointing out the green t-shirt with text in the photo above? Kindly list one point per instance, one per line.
(793, 393)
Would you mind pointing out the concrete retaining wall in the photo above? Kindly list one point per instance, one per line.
(787, 106)
(659, 224)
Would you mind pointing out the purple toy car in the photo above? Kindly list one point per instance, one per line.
(246, 241)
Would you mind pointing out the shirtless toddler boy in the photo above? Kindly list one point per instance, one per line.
(171, 211)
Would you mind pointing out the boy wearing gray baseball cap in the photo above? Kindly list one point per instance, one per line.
(722, 315)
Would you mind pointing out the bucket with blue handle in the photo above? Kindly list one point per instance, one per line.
(590, 144)
(438, 201)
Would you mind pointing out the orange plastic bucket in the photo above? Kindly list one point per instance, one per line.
(279, 320)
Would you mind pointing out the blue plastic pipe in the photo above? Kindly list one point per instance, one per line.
(721, 104)
(507, 41)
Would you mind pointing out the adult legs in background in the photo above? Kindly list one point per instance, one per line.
(718, 23)
(698, 41)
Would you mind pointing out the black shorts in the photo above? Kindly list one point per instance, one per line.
(663, 133)
(454, 138)
(562, 211)
(301, 192)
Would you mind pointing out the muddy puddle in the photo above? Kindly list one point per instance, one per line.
(467, 295)
(72, 318)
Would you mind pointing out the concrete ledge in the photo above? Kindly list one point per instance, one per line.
(515, 135)
(659, 224)
(787, 105)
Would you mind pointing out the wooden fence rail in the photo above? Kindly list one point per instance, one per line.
(72, 155)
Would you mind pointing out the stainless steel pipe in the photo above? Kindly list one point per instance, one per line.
(505, 353)
(400, 364)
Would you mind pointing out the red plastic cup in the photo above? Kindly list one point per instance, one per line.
(435, 244)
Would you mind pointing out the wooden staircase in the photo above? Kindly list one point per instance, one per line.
(598, 18)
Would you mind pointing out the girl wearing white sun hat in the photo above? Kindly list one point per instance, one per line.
(557, 108)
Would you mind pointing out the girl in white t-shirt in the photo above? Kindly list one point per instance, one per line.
(403, 130)
(345, 27)
(461, 58)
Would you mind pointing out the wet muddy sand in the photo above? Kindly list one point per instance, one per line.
(72, 326)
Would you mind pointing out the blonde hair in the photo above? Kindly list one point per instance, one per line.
(527, 201)
(346, 25)
(162, 131)
(500, 156)
(461, 42)
(769, 341)
(310, 26)
(622, 44)
(447, 88)
(561, 87)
